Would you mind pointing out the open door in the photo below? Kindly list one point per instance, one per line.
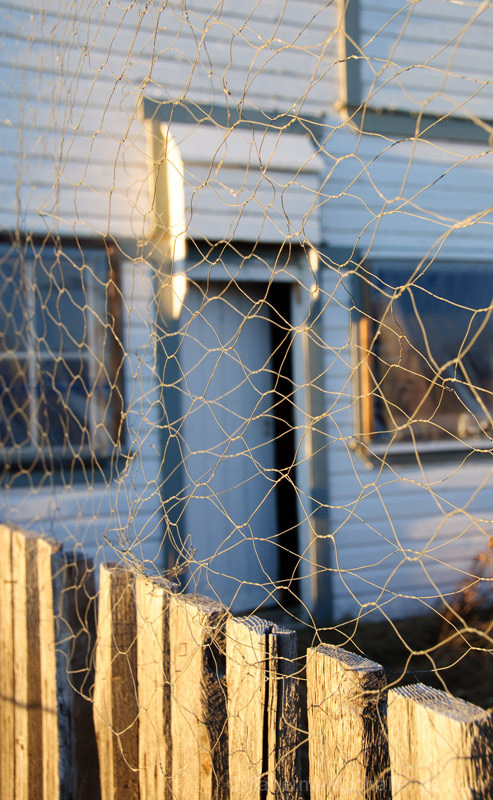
(235, 439)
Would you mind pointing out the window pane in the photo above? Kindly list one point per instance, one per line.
(433, 353)
(14, 306)
(61, 295)
(15, 399)
(59, 314)
(63, 407)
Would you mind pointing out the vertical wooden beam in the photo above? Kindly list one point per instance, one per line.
(346, 725)
(263, 710)
(27, 686)
(56, 696)
(153, 679)
(440, 746)
(41, 733)
(7, 698)
(37, 704)
(198, 699)
(115, 690)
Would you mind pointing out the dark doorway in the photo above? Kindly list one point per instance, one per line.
(286, 500)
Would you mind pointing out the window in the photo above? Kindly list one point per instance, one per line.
(425, 353)
(60, 364)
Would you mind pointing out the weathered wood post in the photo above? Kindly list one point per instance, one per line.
(43, 749)
(59, 777)
(198, 699)
(36, 697)
(440, 746)
(154, 688)
(346, 725)
(7, 697)
(115, 689)
(263, 710)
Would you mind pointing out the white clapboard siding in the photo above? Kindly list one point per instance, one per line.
(248, 183)
(368, 200)
(87, 142)
(398, 533)
(426, 56)
(121, 518)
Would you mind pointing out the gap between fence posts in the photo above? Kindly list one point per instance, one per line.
(441, 747)
(76, 623)
(346, 726)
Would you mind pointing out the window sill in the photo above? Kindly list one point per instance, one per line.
(56, 469)
(374, 453)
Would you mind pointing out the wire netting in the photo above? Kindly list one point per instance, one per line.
(246, 319)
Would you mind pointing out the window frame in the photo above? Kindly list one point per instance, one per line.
(36, 454)
(362, 322)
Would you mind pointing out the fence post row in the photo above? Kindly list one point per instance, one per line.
(190, 702)
(45, 621)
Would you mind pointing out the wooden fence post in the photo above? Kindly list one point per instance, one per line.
(263, 710)
(43, 748)
(7, 697)
(39, 715)
(27, 678)
(115, 689)
(346, 725)
(58, 736)
(198, 699)
(153, 679)
(440, 746)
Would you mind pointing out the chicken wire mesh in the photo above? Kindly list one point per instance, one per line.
(245, 309)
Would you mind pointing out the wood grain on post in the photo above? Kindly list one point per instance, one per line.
(440, 746)
(346, 725)
(38, 712)
(41, 733)
(115, 689)
(263, 710)
(7, 699)
(153, 678)
(58, 767)
(27, 680)
(198, 699)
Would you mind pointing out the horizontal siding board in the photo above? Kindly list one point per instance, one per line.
(433, 9)
(77, 508)
(434, 532)
(264, 20)
(446, 100)
(399, 497)
(176, 66)
(448, 45)
(126, 17)
(434, 24)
